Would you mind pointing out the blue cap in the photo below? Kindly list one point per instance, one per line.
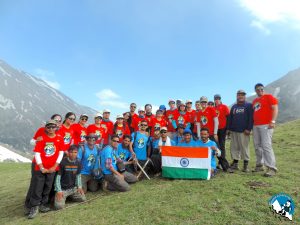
(187, 131)
(162, 107)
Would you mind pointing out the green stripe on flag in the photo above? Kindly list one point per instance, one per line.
(184, 173)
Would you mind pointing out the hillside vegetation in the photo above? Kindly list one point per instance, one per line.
(239, 198)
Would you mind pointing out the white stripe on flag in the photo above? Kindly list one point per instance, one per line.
(197, 163)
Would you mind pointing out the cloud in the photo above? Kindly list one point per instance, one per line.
(109, 98)
(260, 26)
(44, 74)
(268, 12)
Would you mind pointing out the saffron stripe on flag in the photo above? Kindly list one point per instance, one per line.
(187, 152)
(185, 173)
(203, 163)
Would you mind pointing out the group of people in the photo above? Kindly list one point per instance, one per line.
(73, 158)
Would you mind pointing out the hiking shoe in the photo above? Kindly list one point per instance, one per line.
(258, 169)
(44, 209)
(33, 212)
(26, 210)
(245, 169)
(270, 173)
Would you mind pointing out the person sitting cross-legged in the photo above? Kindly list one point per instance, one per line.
(68, 180)
(187, 140)
(117, 180)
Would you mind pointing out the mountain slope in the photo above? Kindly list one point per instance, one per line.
(10, 156)
(25, 102)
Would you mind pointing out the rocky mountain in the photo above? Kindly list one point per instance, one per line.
(287, 90)
(25, 103)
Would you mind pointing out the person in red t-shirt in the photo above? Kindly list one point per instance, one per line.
(48, 154)
(190, 112)
(108, 125)
(158, 122)
(66, 131)
(223, 114)
(121, 128)
(149, 116)
(80, 130)
(137, 120)
(265, 108)
(171, 114)
(207, 118)
(181, 117)
(132, 116)
(38, 134)
(164, 110)
(97, 129)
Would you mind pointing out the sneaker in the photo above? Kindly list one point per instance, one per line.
(270, 173)
(26, 210)
(33, 212)
(258, 169)
(44, 209)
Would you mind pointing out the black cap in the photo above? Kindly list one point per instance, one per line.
(217, 96)
(258, 85)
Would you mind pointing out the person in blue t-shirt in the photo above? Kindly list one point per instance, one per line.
(187, 139)
(140, 142)
(178, 137)
(125, 155)
(117, 180)
(206, 142)
(89, 157)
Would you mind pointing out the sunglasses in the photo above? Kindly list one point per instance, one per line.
(71, 118)
(163, 132)
(114, 141)
(189, 103)
(98, 118)
(133, 106)
(260, 89)
(203, 102)
(91, 138)
(51, 127)
(84, 119)
(144, 125)
(171, 103)
(57, 121)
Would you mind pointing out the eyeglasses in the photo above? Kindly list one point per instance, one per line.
(144, 125)
(71, 118)
(114, 141)
(84, 119)
(91, 138)
(51, 127)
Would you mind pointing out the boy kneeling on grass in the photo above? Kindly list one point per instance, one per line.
(68, 180)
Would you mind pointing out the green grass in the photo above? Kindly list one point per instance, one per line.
(226, 199)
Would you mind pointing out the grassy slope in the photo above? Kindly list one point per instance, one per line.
(227, 199)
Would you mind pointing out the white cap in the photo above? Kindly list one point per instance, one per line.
(98, 114)
(164, 128)
(187, 101)
(106, 111)
(120, 117)
(141, 109)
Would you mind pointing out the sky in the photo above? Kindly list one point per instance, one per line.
(107, 54)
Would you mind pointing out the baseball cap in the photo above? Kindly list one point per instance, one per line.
(187, 131)
(258, 85)
(241, 92)
(98, 115)
(120, 117)
(162, 107)
(106, 111)
(51, 122)
(171, 100)
(83, 115)
(164, 128)
(180, 126)
(141, 109)
(203, 99)
(217, 96)
(187, 101)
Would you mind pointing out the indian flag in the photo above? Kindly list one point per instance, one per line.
(186, 162)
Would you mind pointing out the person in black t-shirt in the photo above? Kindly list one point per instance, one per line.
(68, 180)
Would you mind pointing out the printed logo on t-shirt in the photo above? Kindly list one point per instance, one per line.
(238, 110)
(98, 134)
(91, 160)
(49, 149)
(204, 120)
(82, 135)
(180, 120)
(156, 126)
(119, 133)
(141, 143)
(122, 156)
(104, 126)
(67, 138)
(257, 106)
